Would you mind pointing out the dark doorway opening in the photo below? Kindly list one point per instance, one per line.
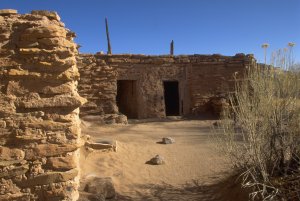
(127, 98)
(171, 98)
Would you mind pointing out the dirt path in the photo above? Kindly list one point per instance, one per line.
(192, 168)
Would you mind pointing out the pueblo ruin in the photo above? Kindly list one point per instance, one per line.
(46, 86)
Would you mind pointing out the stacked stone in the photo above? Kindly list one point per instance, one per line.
(204, 81)
(211, 78)
(39, 115)
(148, 71)
(98, 84)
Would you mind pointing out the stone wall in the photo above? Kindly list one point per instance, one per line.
(211, 77)
(39, 122)
(203, 80)
(149, 73)
(98, 83)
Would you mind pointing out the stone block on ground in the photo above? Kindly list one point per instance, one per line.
(104, 145)
(101, 187)
(157, 160)
(168, 140)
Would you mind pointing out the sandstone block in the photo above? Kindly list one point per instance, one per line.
(45, 150)
(8, 11)
(19, 73)
(50, 14)
(7, 106)
(60, 191)
(62, 52)
(30, 50)
(15, 196)
(168, 140)
(46, 125)
(11, 154)
(2, 124)
(57, 41)
(14, 171)
(102, 145)
(11, 162)
(57, 101)
(48, 31)
(157, 160)
(69, 76)
(4, 36)
(49, 178)
(61, 163)
(60, 89)
(65, 63)
(7, 187)
(101, 186)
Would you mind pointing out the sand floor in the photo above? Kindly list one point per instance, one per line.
(193, 169)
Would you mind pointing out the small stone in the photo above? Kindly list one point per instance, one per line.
(8, 11)
(168, 140)
(216, 124)
(157, 160)
(121, 119)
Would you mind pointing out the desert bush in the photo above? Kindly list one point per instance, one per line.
(261, 129)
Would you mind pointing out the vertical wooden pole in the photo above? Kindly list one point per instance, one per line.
(107, 37)
(172, 48)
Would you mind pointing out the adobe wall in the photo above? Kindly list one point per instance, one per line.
(39, 122)
(203, 79)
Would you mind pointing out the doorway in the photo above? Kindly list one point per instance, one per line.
(127, 98)
(171, 93)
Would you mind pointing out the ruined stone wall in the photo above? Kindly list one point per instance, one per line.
(149, 73)
(39, 123)
(211, 77)
(98, 83)
(203, 80)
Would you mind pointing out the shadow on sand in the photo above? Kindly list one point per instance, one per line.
(226, 190)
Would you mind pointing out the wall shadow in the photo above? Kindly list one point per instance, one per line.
(228, 189)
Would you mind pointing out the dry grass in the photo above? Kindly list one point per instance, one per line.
(265, 116)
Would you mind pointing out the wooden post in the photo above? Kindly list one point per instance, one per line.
(107, 37)
(172, 48)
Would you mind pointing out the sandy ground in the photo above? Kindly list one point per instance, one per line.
(193, 169)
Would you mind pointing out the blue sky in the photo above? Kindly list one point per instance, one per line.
(196, 26)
